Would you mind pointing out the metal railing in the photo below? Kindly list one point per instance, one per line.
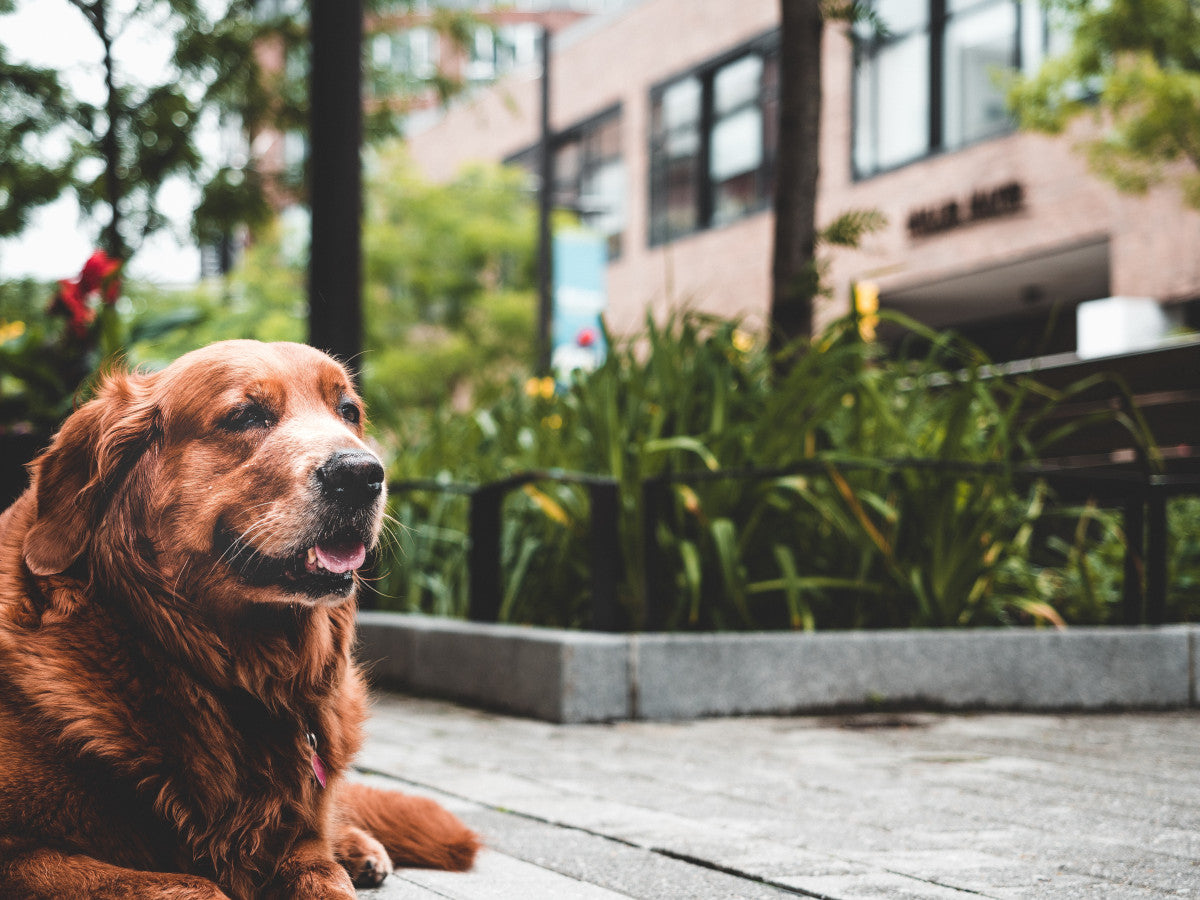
(1140, 498)
(485, 509)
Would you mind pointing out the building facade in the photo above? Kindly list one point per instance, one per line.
(664, 116)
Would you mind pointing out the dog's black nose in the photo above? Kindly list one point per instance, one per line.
(351, 477)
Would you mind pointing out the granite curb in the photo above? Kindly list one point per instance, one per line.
(570, 676)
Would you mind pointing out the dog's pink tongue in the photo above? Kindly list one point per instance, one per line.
(341, 557)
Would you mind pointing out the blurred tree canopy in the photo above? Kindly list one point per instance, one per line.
(448, 289)
(1135, 66)
(448, 293)
(236, 68)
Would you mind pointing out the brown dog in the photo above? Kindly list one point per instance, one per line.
(177, 594)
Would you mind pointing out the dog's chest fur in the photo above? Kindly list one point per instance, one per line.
(155, 769)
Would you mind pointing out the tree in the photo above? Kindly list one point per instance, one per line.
(1134, 65)
(449, 287)
(796, 272)
(231, 65)
(31, 104)
(793, 269)
(123, 148)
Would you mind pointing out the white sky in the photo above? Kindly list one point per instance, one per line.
(53, 33)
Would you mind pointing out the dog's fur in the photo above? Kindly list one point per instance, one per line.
(167, 647)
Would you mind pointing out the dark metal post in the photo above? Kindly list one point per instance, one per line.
(483, 555)
(1135, 526)
(651, 580)
(1156, 555)
(606, 554)
(335, 179)
(545, 212)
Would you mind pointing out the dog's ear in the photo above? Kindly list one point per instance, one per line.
(85, 465)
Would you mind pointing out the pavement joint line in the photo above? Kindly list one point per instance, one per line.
(657, 851)
(738, 873)
(665, 852)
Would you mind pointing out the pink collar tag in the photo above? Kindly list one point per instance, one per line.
(318, 765)
(318, 768)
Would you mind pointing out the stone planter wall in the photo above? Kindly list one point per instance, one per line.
(568, 676)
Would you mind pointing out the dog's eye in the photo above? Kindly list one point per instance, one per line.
(248, 417)
(349, 411)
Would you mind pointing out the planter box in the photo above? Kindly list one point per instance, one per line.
(568, 676)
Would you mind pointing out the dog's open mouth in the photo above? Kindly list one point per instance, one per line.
(324, 567)
(338, 556)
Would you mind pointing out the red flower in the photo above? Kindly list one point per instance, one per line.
(100, 271)
(586, 337)
(69, 302)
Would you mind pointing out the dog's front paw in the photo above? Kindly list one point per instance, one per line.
(323, 880)
(363, 857)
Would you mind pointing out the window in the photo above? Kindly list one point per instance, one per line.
(589, 176)
(522, 45)
(495, 50)
(712, 142)
(485, 55)
(930, 81)
(411, 53)
(675, 161)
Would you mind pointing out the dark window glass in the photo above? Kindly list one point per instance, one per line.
(675, 160)
(931, 80)
(712, 143)
(589, 175)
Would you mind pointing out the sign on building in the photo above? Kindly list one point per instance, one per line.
(580, 298)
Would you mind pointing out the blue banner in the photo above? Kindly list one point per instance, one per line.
(580, 297)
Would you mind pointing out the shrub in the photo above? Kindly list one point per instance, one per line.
(836, 538)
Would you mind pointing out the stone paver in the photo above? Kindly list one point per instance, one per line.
(887, 805)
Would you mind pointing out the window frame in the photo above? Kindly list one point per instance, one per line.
(766, 46)
(938, 22)
(580, 131)
(591, 160)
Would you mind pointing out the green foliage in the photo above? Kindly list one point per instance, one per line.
(54, 339)
(262, 299)
(43, 364)
(448, 297)
(1183, 555)
(31, 104)
(230, 62)
(836, 539)
(1135, 65)
(448, 292)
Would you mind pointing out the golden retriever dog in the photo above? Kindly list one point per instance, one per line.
(178, 703)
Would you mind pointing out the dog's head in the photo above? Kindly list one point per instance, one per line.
(239, 473)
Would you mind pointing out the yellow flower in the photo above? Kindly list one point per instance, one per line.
(743, 341)
(554, 421)
(541, 387)
(10, 331)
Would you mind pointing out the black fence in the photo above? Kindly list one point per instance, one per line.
(1140, 498)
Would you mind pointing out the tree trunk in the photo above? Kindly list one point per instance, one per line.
(110, 145)
(793, 270)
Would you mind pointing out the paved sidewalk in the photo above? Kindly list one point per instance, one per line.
(910, 805)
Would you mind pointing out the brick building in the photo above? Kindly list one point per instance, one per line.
(663, 113)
